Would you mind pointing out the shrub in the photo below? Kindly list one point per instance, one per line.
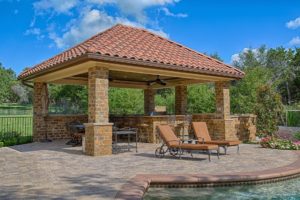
(297, 135)
(24, 139)
(1, 144)
(14, 138)
(11, 141)
(276, 143)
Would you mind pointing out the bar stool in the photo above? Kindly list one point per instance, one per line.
(184, 127)
(143, 134)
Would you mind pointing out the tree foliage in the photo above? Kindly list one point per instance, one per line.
(7, 80)
(126, 101)
(166, 97)
(68, 99)
(244, 92)
(268, 110)
(201, 99)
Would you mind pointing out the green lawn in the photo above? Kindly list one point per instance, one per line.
(15, 109)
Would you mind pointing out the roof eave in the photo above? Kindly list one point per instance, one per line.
(120, 60)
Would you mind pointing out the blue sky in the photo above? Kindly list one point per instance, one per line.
(32, 31)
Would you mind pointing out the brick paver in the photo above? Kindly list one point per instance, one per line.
(56, 171)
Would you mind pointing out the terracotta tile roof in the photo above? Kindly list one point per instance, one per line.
(129, 43)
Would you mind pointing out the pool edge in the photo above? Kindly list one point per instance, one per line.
(137, 186)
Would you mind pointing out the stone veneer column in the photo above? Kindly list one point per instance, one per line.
(98, 130)
(222, 99)
(40, 110)
(149, 101)
(180, 100)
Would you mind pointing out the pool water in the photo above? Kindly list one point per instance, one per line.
(287, 190)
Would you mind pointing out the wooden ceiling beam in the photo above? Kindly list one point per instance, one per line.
(128, 84)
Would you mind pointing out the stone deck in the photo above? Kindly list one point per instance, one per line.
(57, 171)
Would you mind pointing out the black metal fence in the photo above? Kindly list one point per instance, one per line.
(15, 129)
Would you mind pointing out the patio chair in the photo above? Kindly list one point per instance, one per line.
(76, 130)
(203, 137)
(175, 146)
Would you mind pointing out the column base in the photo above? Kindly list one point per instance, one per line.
(98, 139)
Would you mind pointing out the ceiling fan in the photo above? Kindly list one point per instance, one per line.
(158, 80)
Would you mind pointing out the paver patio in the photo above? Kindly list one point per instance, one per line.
(57, 171)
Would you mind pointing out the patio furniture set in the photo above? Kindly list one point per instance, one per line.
(176, 146)
(77, 131)
(171, 143)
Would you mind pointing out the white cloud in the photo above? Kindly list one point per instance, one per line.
(91, 22)
(169, 13)
(135, 8)
(54, 5)
(235, 58)
(33, 31)
(293, 24)
(36, 32)
(89, 17)
(295, 41)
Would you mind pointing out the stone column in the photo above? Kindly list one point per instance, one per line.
(149, 101)
(40, 110)
(222, 99)
(98, 130)
(180, 100)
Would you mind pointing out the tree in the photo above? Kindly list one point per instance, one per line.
(201, 99)
(268, 110)
(68, 99)
(166, 97)
(244, 92)
(216, 56)
(7, 80)
(21, 92)
(279, 61)
(295, 84)
(126, 101)
(251, 58)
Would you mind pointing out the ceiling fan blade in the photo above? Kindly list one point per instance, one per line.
(161, 82)
(150, 83)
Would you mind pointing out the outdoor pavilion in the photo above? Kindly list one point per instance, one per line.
(129, 57)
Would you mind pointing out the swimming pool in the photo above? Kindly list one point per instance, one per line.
(287, 190)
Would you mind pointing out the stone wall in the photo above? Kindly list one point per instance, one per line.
(245, 126)
(240, 127)
(56, 126)
(147, 125)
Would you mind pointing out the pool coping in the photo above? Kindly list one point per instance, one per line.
(137, 186)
